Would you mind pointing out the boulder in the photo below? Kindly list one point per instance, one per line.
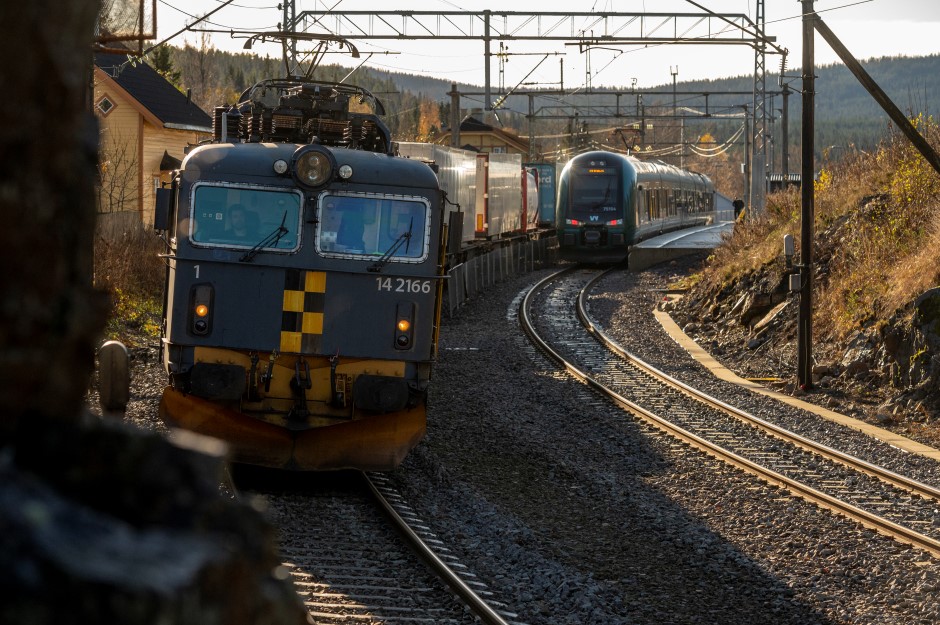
(104, 523)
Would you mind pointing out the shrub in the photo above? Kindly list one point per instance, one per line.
(877, 232)
(128, 267)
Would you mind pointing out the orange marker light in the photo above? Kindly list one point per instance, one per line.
(202, 310)
(403, 325)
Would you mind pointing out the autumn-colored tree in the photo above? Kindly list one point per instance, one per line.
(198, 65)
(429, 120)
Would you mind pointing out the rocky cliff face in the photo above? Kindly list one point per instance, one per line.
(909, 347)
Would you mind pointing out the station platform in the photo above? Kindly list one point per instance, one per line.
(672, 245)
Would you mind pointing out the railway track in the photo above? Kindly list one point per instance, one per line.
(358, 554)
(554, 314)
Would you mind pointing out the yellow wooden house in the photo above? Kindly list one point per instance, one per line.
(146, 125)
(481, 137)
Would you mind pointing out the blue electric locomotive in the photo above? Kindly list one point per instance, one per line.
(609, 201)
(304, 280)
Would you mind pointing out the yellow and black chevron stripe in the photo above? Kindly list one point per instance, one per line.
(302, 317)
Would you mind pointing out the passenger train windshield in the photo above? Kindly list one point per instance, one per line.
(595, 194)
(242, 217)
(372, 226)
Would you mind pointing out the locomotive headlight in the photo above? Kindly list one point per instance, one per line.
(313, 166)
(313, 169)
(280, 166)
(615, 222)
(404, 334)
(345, 172)
(200, 321)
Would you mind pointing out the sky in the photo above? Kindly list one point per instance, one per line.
(868, 28)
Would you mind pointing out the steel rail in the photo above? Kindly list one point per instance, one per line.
(803, 491)
(480, 608)
(857, 464)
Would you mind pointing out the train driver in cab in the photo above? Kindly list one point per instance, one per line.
(352, 228)
(238, 228)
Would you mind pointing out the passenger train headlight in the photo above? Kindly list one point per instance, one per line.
(313, 166)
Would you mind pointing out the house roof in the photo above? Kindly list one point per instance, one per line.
(472, 124)
(153, 92)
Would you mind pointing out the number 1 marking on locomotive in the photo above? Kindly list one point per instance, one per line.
(196, 267)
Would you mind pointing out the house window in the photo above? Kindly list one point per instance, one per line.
(498, 149)
(105, 105)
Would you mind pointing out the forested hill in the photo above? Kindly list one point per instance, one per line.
(845, 113)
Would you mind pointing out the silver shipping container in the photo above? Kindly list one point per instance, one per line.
(457, 175)
(499, 202)
(488, 187)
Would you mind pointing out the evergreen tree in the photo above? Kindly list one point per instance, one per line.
(235, 76)
(162, 61)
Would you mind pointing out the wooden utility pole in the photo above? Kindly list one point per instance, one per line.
(889, 107)
(812, 24)
(785, 134)
(805, 324)
(454, 115)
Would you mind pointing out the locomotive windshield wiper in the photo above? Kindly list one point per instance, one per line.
(404, 237)
(268, 241)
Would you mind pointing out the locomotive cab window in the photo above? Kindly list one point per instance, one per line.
(595, 195)
(366, 227)
(240, 216)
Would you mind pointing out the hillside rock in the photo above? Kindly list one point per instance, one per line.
(909, 348)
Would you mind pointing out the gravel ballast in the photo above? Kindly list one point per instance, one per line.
(572, 512)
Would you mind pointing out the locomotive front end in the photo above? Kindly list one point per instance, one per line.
(302, 302)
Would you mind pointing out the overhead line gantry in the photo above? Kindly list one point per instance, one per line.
(585, 29)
